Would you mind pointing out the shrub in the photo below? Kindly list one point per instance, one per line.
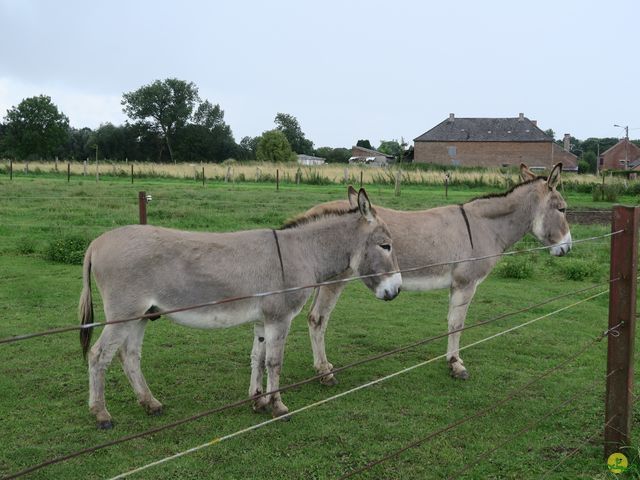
(577, 270)
(67, 250)
(26, 246)
(518, 267)
(605, 193)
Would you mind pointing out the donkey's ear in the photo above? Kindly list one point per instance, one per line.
(554, 176)
(525, 173)
(352, 195)
(365, 205)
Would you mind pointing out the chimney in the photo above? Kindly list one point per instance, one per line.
(451, 117)
(567, 142)
(521, 117)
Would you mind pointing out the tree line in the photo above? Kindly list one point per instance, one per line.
(167, 122)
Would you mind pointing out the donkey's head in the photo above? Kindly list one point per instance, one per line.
(376, 254)
(550, 224)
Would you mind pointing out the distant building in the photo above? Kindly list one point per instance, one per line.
(492, 142)
(624, 155)
(370, 157)
(310, 160)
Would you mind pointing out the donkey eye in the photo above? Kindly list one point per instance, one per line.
(562, 210)
(386, 246)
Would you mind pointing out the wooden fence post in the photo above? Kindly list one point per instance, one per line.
(277, 179)
(360, 178)
(203, 176)
(622, 309)
(142, 207)
(68, 172)
(132, 174)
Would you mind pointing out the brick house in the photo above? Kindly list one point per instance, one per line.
(370, 157)
(491, 142)
(623, 155)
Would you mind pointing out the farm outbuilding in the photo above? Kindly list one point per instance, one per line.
(491, 142)
(624, 155)
(310, 160)
(369, 157)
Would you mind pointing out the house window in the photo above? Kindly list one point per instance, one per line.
(452, 151)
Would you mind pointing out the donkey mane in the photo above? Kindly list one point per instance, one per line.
(508, 192)
(315, 215)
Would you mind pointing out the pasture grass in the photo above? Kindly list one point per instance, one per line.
(43, 381)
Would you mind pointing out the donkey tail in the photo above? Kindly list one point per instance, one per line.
(85, 307)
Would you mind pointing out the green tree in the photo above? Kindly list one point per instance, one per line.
(550, 132)
(248, 147)
(35, 128)
(274, 147)
(165, 105)
(390, 147)
(208, 138)
(364, 144)
(334, 155)
(289, 126)
(590, 162)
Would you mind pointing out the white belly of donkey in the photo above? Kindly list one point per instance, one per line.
(422, 284)
(219, 317)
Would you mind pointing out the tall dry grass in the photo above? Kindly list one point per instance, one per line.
(290, 173)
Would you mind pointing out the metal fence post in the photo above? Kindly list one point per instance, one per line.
(142, 207)
(622, 309)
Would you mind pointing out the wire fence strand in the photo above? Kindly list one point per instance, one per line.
(482, 412)
(554, 469)
(531, 425)
(286, 290)
(218, 440)
(293, 385)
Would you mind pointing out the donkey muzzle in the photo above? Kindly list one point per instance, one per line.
(562, 247)
(389, 287)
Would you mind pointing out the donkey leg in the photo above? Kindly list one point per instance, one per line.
(258, 353)
(130, 354)
(459, 300)
(275, 336)
(323, 304)
(99, 358)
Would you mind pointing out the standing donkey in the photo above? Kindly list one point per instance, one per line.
(488, 225)
(143, 269)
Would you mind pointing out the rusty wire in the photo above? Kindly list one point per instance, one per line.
(480, 413)
(53, 331)
(287, 387)
(218, 440)
(531, 425)
(578, 448)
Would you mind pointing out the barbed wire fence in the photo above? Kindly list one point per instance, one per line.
(614, 333)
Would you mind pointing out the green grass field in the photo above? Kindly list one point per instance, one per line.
(43, 381)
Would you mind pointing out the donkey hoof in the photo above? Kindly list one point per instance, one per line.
(104, 425)
(329, 380)
(155, 412)
(261, 405)
(281, 415)
(462, 375)
(279, 411)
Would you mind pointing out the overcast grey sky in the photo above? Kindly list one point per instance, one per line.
(346, 69)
